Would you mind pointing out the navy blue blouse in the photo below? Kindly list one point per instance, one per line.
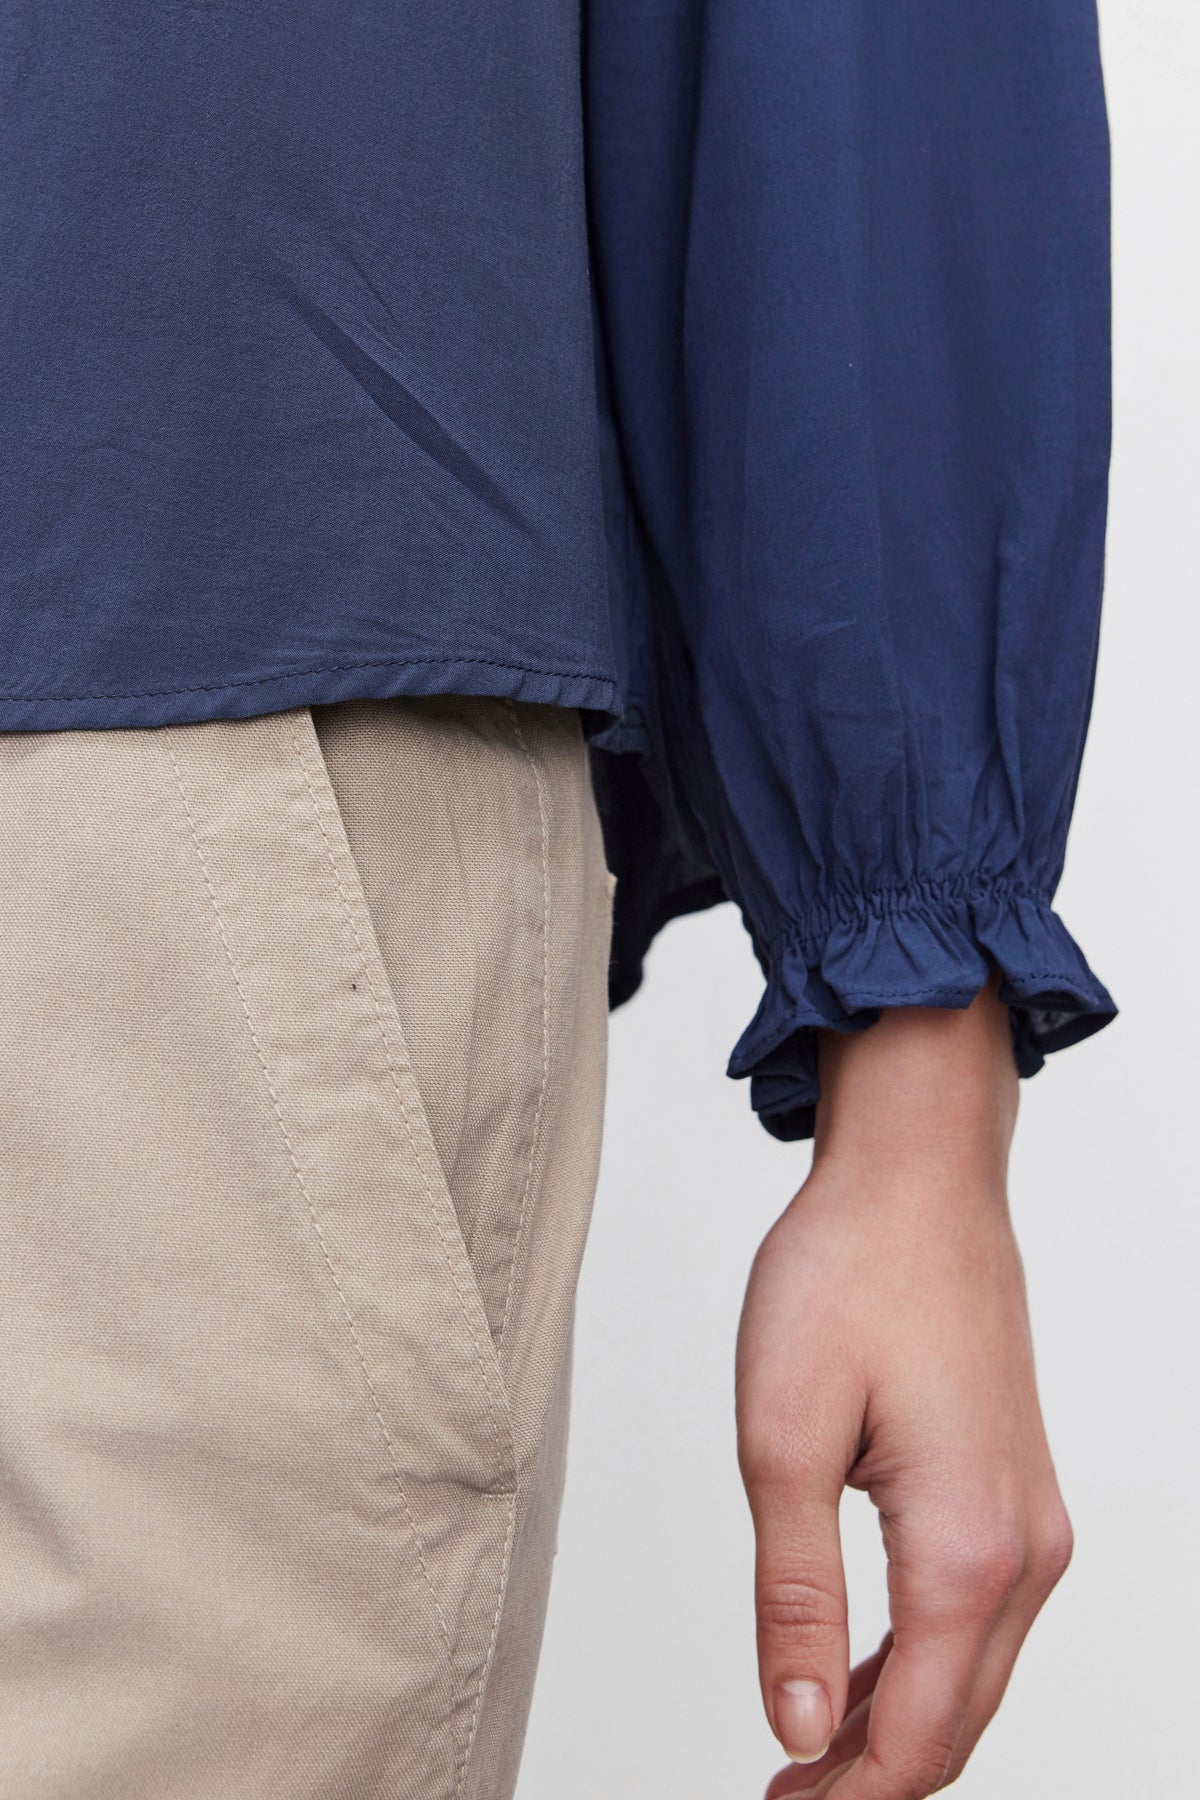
(749, 393)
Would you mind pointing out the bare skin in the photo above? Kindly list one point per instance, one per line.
(885, 1345)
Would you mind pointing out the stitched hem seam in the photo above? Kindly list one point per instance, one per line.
(382, 662)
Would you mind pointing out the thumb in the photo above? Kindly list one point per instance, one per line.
(800, 1600)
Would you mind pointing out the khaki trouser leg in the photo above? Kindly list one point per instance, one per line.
(302, 1026)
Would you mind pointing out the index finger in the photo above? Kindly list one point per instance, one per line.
(918, 1736)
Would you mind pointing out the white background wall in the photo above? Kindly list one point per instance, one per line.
(648, 1683)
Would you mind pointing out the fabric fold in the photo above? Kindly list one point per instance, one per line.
(930, 945)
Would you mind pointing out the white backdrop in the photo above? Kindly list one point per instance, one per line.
(648, 1683)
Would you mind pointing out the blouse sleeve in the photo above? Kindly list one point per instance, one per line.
(852, 260)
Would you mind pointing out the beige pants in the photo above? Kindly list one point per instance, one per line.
(302, 1029)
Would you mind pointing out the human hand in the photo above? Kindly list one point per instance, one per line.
(885, 1345)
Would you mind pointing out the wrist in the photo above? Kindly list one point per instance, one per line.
(925, 1089)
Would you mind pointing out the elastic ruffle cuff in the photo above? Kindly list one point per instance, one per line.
(929, 944)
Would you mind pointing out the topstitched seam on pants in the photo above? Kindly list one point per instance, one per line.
(535, 1137)
(306, 1191)
(501, 1590)
(404, 1110)
(465, 1752)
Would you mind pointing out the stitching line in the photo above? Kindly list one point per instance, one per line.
(535, 1138)
(312, 1212)
(464, 1753)
(509, 1536)
(382, 662)
(404, 1110)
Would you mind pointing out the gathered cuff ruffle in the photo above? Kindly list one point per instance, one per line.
(928, 944)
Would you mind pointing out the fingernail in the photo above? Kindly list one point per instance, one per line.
(803, 1720)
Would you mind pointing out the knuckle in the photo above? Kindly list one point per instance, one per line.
(800, 1611)
(935, 1765)
(950, 1771)
(938, 1765)
(988, 1570)
(1054, 1548)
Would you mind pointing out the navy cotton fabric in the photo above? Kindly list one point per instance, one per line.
(300, 400)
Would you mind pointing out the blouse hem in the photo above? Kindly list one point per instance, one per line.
(381, 678)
